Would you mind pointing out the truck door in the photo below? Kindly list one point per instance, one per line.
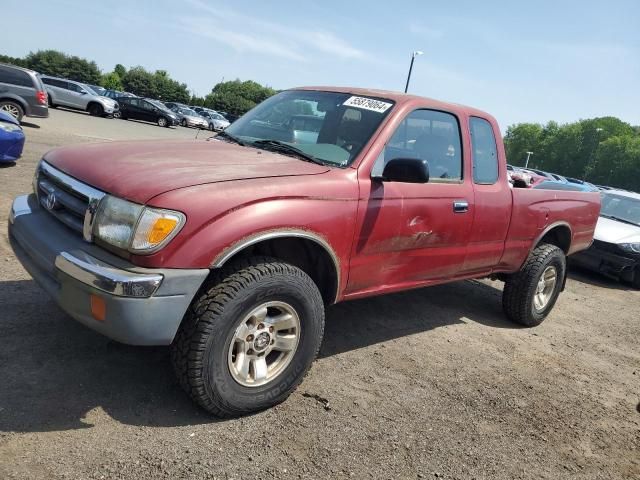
(493, 201)
(411, 233)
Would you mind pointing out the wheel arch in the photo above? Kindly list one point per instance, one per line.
(94, 102)
(17, 99)
(305, 250)
(558, 234)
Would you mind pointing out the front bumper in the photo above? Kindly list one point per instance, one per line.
(11, 146)
(614, 265)
(110, 110)
(142, 306)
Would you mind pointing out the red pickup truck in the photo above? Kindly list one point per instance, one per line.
(229, 249)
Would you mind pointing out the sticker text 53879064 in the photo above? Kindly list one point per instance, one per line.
(368, 104)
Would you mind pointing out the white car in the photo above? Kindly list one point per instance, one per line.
(216, 121)
(68, 93)
(615, 251)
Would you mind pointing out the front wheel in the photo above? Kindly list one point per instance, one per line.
(249, 338)
(183, 122)
(95, 110)
(162, 122)
(530, 294)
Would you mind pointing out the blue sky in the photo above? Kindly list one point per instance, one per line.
(521, 61)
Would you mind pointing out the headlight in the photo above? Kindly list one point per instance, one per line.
(133, 227)
(9, 127)
(630, 247)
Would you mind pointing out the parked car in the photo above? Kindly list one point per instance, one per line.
(216, 121)
(115, 94)
(229, 249)
(22, 92)
(616, 247)
(98, 89)
(146, 109)
(189, 118)
(79, 96)
(173, 105)
(11, 138)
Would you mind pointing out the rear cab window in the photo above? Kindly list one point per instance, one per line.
(484, 152)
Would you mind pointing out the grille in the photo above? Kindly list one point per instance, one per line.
(72, 202)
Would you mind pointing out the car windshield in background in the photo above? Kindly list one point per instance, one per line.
(187, 111)
(330, 127)
(621, 208)
(157, 104)
(89, 89)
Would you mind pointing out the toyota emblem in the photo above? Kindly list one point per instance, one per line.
(51, 201)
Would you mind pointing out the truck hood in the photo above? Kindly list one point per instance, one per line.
(613, 231)
(138, 171)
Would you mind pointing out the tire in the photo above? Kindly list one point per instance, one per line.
(162, 122)
(12, 108)
(51, 104)
(183, 122)
(527, 299)
(211, 127)
(96, 110)
(635, 283)
(203, 351)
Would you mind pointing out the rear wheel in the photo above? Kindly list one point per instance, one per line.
(96, 110)
(530, 294)
(162, 122)
(249, 338)
(12, 108)
(51, 104)
(183, 122)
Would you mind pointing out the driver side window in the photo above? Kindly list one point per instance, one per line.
(429, 135)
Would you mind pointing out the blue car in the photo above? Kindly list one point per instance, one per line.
(11, 138)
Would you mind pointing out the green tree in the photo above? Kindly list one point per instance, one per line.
(111, 81)
(120, 70)
(237, 97)
(59, 64)
(12, 60)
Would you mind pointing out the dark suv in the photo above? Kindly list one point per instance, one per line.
(22, 92)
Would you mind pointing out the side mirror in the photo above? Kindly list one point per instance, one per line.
(406, 170)
(82, 92)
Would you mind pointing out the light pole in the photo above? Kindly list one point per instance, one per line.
(413, 57)
(526, 164)
(590, 165)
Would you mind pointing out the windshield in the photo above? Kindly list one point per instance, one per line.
(331, 127)
(157, 104)
(89, 90)
(623, 208)
(188, 111)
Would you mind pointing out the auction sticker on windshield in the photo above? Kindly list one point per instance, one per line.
(368, 104)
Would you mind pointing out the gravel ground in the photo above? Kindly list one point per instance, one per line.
(422, 384)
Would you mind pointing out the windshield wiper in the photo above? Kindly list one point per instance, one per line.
(233, 138)
(282, 147)
(623, 220)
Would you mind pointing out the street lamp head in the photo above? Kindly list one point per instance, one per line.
(417, 53)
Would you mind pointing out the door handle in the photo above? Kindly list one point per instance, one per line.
(460, 206)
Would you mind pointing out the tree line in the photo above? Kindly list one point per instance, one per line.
(603, 151)
(235, 97)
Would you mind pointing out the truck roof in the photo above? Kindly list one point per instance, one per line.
(400, 98)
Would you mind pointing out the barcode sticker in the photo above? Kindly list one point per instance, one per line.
(368, 104)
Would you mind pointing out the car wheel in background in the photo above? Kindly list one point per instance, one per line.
(51, 104)
(183, 122)
(12, 108)
(530, 294)
(96, 110)
(162, 122)
(636, 279)
(117, 115)
(211, 127)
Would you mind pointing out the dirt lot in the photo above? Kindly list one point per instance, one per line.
(423, 384)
